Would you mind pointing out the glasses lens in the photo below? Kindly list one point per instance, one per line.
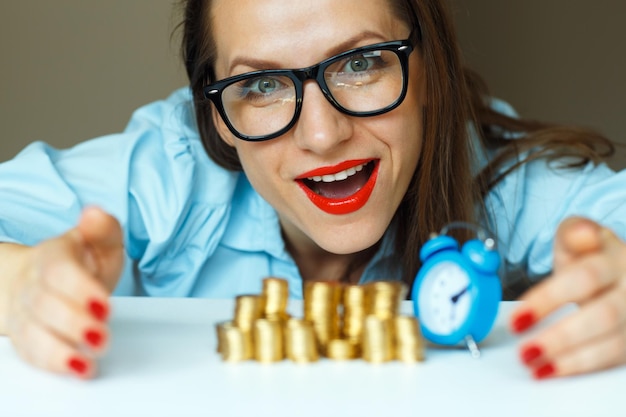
(366, 81)
(260, 105)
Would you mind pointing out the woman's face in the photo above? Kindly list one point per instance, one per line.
(276, 34)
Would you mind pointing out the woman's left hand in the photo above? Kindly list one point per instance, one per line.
(590, 270)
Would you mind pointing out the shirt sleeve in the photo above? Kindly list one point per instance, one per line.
(525, 209)
(528, 205)
(154, 177)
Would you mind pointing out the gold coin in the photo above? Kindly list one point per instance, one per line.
(354, 301)
(321, 308)
(248, 308)
(384, 298)
(409, 341)
(321, 298)
(234, 344)
(276, 292)
(341, 349)
(300, 344)
(268, 340)
(377, 344)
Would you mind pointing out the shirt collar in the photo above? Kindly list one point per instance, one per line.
(253, 223)
(384, 265)
(253, 226)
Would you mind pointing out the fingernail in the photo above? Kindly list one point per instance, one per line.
(99, 310)
(523, 321)
(94, 338)
(77, 365)
(544, 371)
(531, 353)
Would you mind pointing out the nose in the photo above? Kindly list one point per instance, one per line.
(320, 127)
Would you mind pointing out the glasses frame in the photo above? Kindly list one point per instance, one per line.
(402, 49)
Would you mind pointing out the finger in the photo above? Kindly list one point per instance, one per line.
(99, 228)
(575, 283)
(575, 236)
(41, 348)
(604, 353)
(103, 236)
(73, 282)
(596, 320)
(69, 321)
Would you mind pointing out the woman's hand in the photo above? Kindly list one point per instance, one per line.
(590, 270)
(57, 305)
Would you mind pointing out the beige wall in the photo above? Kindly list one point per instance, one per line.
(558, 60)
(74, 69)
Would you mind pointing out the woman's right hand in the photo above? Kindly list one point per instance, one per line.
(57, 301)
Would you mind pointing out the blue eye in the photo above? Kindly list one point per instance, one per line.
(364, 62)
(263, 85)
(267, 85)
(261, 89)
(358, 64)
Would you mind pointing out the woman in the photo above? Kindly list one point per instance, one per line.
(338, 169)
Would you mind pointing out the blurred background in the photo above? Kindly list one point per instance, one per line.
(76, 69)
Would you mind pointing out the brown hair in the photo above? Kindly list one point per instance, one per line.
(442, 189)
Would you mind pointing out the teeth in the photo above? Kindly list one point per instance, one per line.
(340, 176)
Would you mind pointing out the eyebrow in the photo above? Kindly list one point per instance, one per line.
(262, 64)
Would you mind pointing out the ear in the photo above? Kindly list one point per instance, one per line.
(221, 127)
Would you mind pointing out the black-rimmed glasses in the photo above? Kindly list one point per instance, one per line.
(265, 104)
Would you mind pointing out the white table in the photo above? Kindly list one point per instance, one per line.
(163, 362)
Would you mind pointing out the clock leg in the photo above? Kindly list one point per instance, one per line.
(472, 346)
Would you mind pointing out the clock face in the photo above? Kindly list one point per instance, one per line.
(444, 298)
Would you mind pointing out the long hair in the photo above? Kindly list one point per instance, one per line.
(442, 189)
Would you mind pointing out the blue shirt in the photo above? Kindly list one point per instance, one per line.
(192, 228)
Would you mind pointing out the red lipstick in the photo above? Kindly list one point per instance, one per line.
(333, 169)
(344, 205)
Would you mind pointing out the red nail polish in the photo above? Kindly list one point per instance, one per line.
(77, 365)
(530, 353)
(523, 322)
(99, 310)
(544, 371)
(94, 338)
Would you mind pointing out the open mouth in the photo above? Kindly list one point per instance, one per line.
(344, 191)
(342, 184)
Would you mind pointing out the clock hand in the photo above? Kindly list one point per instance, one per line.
(469, 340)
(456, 297)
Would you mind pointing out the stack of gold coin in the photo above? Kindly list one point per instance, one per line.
(377, 341)
(340, 322)
(354, 302)
(300, 341)
(342, 349)
(321, 308)
(409, 344)
(234, 344)
(384, 298)
(276, 292)
(248, 308)
(235, 340)
(268, 340)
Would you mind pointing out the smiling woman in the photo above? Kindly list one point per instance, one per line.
(339, 136)
(319, 139)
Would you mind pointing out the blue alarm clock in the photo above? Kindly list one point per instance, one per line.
(456, 293)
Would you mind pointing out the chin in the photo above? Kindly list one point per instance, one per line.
(346, 243)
